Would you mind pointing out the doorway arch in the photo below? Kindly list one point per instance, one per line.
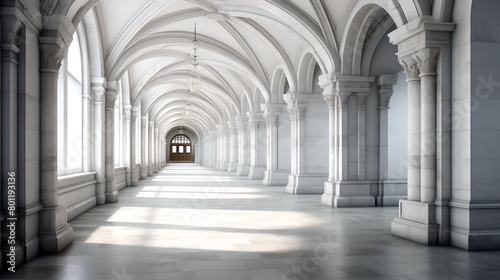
(181, 149)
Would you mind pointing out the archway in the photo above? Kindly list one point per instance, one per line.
(181, 149)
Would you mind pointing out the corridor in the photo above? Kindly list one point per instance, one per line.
(194, 223)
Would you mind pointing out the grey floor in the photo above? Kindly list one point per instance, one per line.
(190, 222)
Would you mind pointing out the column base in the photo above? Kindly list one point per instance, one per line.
(243, 170)
(416, 222)
(112, 197)
(55, 233)
(134, 182)
(111, 192)
(328, 196)
(475, 224)
(306, 183)
(347, 194)
(144, 172)
(150, 170)
(257, 172)
(233, 167)
(100, 188)
(275, 177)
(391, 191)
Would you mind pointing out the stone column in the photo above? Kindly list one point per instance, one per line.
(427, 62)
(11, 172)
(414, 119)
(233, 147)
(351, 188)
(134, 181)
(332, 101)
(362, 135)
(417, 215)
(98, 91)
(257, 167)
(273, 176)
(55, 233)
(151, 148)
(298, 181)
(385, 85)
(243, 147)
(127, 135)
(144, 148)
(111, 95)
(156, 164)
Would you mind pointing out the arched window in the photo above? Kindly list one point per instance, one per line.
(181, 148)
(70, 111)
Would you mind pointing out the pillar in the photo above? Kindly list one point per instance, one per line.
(243, 147)
(55, 233)
(351, 187)
(127, 111)
(156, 164)
(329, 186)
(417, 218)
(427, 64)
(257, 146)
(300, 181)
(134, 181)
(387, 193)
(273, 176)
(233, 147)
(10, 175)
(144, 147)
(151, 144)
(98, 87)
(111, 192)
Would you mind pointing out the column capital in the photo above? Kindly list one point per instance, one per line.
(10, 28)
(427, 61)
(151, 125)
(111, 96)
(410, 67)
(330, 100)
(421, 33)
(144, 122)
(52, 52)
(254, 117)
(385, 85)
(134, 112)
(127, 111)
(296, 112)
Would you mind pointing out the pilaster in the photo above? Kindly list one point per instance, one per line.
(151, 144)
(144, 147)
(351, 188)
(419, 44)
(273, 176)
(98, 88)
(243, 147)
(55, 233)
(111, 192)
(233, 147)
(127, 112)
(388, 192)
(257, 146)
(134, 181)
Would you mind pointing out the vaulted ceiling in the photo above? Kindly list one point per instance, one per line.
(250, 51)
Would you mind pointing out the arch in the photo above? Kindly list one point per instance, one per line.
(306, 73)
(278, 86)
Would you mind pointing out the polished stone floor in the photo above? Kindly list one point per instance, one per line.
(193, 223)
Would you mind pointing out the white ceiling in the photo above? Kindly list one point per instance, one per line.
(243, 45)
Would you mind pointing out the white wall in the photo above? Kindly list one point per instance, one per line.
(398, 117)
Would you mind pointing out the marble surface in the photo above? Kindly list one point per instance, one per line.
(194, 223)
